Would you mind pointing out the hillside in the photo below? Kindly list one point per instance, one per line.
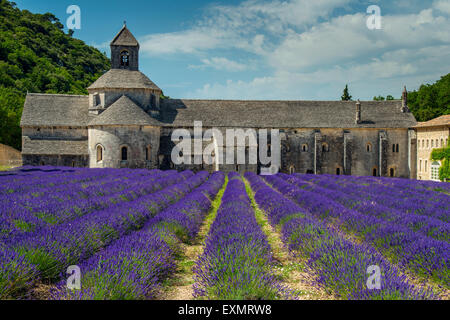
(431, 100)
(37, 56)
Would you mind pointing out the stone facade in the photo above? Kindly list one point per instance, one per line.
(431, 135)
(124, 123)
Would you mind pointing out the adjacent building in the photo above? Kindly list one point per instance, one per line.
(124, 122)
(431, 135)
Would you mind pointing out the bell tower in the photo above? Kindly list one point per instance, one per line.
(125, 51)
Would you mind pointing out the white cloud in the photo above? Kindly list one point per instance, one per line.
(222, 64)
(442, 5)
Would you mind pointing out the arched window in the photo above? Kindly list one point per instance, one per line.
(420, 165)
(124, 153)
(291, 170)
(237, 168)
(99, 153)
(391, 172)
(124, 58)
(305, 148)
(338, 171)
(325, 147)
(432, 143)
(393, 148)
(397, 148)
(269, 150)
(148, 153)
(426, 165)
(375, 172)
(369, 147)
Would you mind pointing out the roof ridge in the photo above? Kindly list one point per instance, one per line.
(57, 94)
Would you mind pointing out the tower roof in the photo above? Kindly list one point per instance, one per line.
(124, 79)
(125, 38)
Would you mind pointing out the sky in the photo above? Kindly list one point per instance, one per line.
(273, 49)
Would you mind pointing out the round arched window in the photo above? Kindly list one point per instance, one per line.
(125, 58)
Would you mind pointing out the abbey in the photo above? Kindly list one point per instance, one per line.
(126, 122)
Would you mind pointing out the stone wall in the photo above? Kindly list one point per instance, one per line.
(10, 156)
(426, 142)
(113, 138)
(56, 160)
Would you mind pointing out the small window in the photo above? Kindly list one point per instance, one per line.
(291, 170)
(305, 148)
(338, 171)
(148, 153)
(426, 165)
(442, 143)
(237, 168)
(375, 172)
(125, 59)
(73, 164)
(325, 147)
(124, 154)
(432, 143)
(99, 153)
(269, 150)
(428, 144)
(420, 165)
(393, 148)
(397, 148)
(369, 147)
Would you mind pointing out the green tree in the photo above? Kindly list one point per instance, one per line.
(390, 98)
(37, 56)
(431, 100)
(346, 95)
(379, 98)
(442, 155)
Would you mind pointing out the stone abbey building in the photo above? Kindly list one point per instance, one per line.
(124, 122)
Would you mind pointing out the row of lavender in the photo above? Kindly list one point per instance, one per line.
(47, 253)
(395, 234)
(134, 266)
(29, 212)
(237, 260)
(397, 196)
(341, 265)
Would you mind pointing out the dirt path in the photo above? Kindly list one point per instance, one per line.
(179, 286)
(293, 272)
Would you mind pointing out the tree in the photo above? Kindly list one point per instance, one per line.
(379, 98)
(443, 155)
(36, 55)
(390, 98)
(431, 100)
(346, 96)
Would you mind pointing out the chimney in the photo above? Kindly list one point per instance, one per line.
(405, 100)
(358, 112)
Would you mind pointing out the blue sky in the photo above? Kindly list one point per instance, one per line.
(273, 49)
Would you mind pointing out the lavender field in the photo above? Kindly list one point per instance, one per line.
(139, 234)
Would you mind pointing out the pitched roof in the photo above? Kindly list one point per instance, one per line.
(285, 114)
(53, 147)
(54, 110)
(124, 112)
(125, 38)
(123, 79)
(437, 122)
